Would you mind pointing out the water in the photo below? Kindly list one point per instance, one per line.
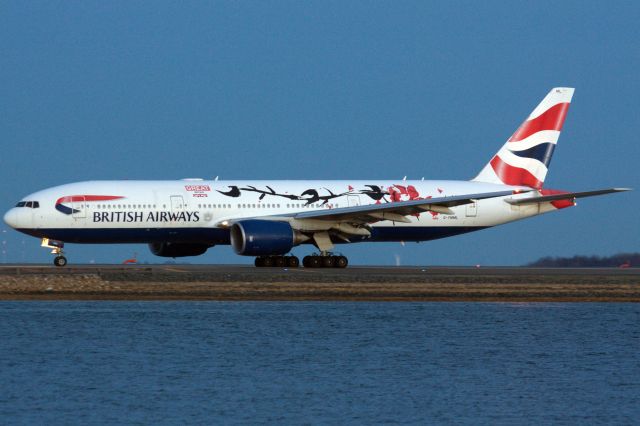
(328, 363)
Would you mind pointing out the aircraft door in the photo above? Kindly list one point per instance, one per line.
(79, 206)
(472, 209)
(177, 203)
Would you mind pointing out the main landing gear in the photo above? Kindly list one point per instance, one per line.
(314, 261)
(325, 261)
(57, 247)
(277, 261)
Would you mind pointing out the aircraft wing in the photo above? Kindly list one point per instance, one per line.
(566, 196)
(396, 211)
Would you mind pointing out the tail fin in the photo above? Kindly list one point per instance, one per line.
(524, 159)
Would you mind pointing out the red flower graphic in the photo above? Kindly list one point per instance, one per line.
(403, 193)
(407, 193)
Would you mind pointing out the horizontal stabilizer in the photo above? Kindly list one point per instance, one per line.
(566, 196)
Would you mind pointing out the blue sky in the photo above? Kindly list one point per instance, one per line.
(323, 90)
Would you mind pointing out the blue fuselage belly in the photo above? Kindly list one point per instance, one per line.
(218, 236)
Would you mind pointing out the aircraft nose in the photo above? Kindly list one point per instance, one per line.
(11, 218)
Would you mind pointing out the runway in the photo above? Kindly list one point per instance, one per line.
(233, 282)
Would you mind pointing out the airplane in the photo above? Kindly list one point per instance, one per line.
(266, 219)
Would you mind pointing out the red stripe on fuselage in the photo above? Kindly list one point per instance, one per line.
(511, 175)
(78, 198)
(551, 119)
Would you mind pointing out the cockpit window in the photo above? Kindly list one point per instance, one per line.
(30, 204)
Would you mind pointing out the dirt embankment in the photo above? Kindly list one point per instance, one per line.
(439, 287)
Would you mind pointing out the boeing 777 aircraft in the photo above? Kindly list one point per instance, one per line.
(266, 219)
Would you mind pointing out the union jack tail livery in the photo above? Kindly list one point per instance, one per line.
(524, 159)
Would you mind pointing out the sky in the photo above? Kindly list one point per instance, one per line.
(323, 90)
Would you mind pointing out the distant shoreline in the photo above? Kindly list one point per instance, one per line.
(241, 283)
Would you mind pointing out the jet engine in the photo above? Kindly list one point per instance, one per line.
(178, 249)
(264, 237)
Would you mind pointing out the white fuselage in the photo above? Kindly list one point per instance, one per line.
(197, 211)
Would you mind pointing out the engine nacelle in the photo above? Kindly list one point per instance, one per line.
(263, 237)
(178, 249)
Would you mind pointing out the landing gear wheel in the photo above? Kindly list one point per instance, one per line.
(60, 261)
(341, 262)
(293, 262)
(328, 261)
(267, 261)
(325, 261)
(312, 262)
(279, 261)
(259, 262)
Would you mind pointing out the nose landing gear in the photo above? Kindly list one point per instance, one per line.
(57, 247)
